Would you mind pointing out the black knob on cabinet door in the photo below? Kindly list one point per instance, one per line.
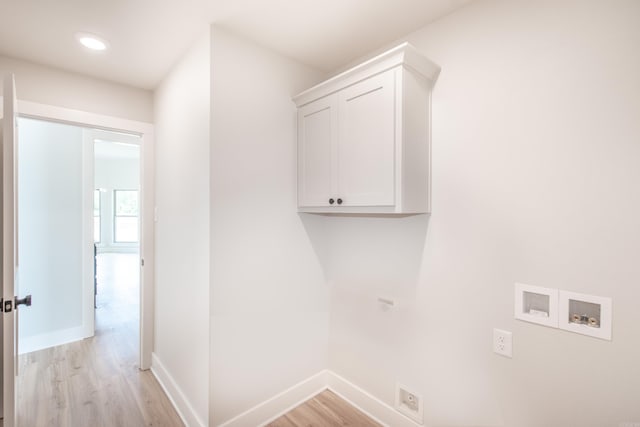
(339, 201)
(331, 201)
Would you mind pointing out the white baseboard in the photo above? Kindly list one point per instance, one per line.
(52, 339)
(280, 404)
(283, 402)
(175, 394)
(367, 403)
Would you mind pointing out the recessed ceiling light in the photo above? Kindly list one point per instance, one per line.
(91, 41)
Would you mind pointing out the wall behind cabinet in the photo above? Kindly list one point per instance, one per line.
(269, 300)
(536, 147)
(181, 347)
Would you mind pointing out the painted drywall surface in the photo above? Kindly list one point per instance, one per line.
(269, 300)
(114, 174)
(536, 146)
(50, 206)
(121, 174)
(51, 86)
(182, 227)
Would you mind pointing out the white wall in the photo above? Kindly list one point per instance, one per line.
(269, 300)
(182, 232)
(47, 85)
(536, 147)
(116, 173)
(50, 233)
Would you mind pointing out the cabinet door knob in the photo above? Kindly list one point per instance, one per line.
(331, 201)
(339, 201)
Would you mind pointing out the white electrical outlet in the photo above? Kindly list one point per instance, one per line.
(409, 403)
(502, 342)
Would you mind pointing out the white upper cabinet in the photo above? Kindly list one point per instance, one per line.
(364, 137)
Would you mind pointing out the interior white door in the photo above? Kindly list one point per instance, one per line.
(1, 286)
(55, 217)
(9, 251)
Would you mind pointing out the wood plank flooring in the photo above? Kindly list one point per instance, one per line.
(324, 410)
(96, 382)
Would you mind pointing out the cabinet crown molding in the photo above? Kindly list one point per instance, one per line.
(404, 54)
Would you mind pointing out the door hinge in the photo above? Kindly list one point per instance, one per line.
(1, 304)
(142, 262)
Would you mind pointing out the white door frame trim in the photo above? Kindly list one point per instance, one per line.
(147, 206)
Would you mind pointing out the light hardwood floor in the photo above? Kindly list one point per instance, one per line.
(96, 382)
(324, 410)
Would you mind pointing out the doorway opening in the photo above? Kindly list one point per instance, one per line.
(79, 232)
(116, 233)
(81, 362)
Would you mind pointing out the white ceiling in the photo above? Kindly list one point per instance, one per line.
(148, 36)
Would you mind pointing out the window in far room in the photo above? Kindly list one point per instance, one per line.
(125, 216)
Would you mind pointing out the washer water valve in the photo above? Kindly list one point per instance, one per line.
(583, 319)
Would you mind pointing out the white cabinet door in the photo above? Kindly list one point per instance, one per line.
(317, 139)
(366, 149)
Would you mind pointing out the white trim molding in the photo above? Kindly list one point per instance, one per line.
(368, 403)
(278, 405)
(68, 115)
(175, 394)
(402, 55)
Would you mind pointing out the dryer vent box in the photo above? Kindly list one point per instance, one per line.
(536, 304)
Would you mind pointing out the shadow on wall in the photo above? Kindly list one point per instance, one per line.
(369, 253)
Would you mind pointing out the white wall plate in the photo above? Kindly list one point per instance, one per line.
(585, 314)
(409, 403)
(536, 304)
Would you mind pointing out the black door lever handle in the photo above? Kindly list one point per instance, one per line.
(23, 301)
